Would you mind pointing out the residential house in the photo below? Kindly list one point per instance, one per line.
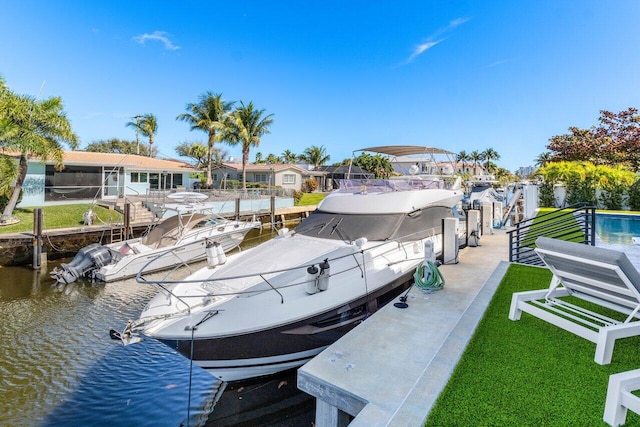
(287, 176)
(88, 176)
(334, 173)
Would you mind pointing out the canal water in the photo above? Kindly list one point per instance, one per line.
(58, 366)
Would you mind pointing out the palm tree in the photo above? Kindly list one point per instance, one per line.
(475, 156)
(488, 155)
(149, 128)
(315, 156)
(544, 158)
(289, 156)
(259, 160)
(135, 125)
(273, 159)
(38, 128)
(209, 114)
(246, 126)
(462, 157)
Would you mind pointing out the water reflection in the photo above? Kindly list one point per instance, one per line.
(59, 366)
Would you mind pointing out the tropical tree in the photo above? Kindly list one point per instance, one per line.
(289, 157)
(315, 156)
(259, 160)
(616, 140)
(544, 158)
(135, 125)
(115, 145)
(145, 125)
(245, 126)
(273, 159)
(476, 157)
(195, 151)
(210, 115)
(8, 175)
(462, 157)
(488, 156)
(614, 184)
(378, 165)
(149, 128)
(37, 128)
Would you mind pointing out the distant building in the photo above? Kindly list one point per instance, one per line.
(526, 170)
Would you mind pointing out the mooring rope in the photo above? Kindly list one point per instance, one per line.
(432, 280)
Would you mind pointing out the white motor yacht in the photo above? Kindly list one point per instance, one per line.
(277, 305)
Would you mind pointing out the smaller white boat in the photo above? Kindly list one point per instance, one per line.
(187, 233)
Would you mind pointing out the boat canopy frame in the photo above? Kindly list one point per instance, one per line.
(394, 151)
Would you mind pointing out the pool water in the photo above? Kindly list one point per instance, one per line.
(618, 229)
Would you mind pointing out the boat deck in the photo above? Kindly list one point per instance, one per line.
(390, 370)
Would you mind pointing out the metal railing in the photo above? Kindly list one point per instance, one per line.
(575, 223)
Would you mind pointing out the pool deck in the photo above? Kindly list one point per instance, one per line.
(390, 370)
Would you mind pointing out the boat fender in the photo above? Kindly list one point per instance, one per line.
(212, 254)
(283, 231)
(222, 258)
(323, 277)
(312, 277)
(635, 240)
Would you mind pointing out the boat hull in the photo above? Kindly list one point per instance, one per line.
(269, 351)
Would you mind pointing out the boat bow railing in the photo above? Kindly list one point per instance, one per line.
(269, 277)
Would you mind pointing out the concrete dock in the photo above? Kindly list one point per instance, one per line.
(390, 370)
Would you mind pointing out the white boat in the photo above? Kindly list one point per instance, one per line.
(277, 305)
(184, 235)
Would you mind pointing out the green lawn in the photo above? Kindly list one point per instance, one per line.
(529, 372)
(310, 199)
(60, 216)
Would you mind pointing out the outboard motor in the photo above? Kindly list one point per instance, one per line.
(86, 260)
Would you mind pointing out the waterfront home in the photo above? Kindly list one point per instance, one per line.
(286, 176)
(89, 176)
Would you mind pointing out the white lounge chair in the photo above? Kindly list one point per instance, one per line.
(601, 276)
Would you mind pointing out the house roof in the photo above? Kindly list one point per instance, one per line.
(131, 161)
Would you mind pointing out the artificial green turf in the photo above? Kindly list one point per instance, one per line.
(529, 372)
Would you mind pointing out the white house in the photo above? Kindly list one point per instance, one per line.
(287, 176)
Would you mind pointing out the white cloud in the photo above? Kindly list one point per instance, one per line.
(431, 40)
(421, 48)
(158, 36)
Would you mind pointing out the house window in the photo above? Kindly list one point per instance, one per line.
(141, 177)
(176, 180)
(289, 178)
(261, 177)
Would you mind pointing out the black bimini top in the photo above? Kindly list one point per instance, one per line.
(375, 227)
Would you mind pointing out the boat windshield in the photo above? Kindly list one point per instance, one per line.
(415, 225)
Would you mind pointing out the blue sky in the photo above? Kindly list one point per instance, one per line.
(458, 75)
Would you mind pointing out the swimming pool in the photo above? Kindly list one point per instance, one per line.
(614, 228)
